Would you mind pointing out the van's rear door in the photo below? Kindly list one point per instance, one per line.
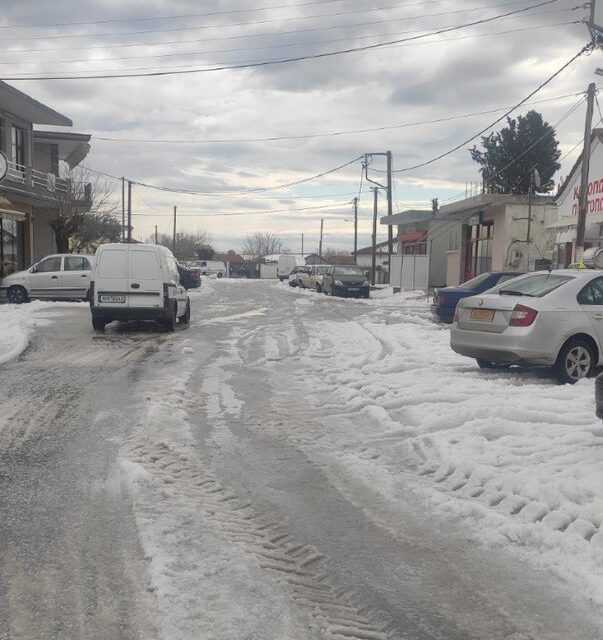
(111, 277)
(145, 284)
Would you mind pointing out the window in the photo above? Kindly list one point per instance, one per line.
(533, 286)
(507, 276)
(48, 265)
(478, 257)
(18, 146)
(75, 263)
(592, 293)
(113, 264)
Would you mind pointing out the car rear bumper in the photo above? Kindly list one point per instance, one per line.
(128, 313)
(442, 314)
(498, 347)
(344, 292)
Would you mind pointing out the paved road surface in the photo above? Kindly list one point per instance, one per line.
(73, 560)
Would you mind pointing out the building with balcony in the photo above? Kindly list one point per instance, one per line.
(36, 184)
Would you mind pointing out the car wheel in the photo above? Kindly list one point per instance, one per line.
(98, 324)
(186, 318)
(219, 275)
(17, 295)
(318, 289)
(575, 361)
(172, 319)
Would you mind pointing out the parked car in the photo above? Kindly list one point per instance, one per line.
(446, 298)
(190, 277)
(344, 281)
(56, 277)
(211, 268)
(137, 282)
(317, 276)
(296, 276)
(552, 319)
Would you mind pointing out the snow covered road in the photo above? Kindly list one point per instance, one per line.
(293, 467)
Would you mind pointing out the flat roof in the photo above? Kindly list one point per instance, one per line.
(20, 104)
(408, 217)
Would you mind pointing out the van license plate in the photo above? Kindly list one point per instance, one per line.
(114, 299)
(482, 315)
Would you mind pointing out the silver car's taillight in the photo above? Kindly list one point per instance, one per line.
(522, 316)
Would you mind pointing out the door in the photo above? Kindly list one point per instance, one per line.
(145, 287)
(44, 279)
(590, 300)
(75, 277)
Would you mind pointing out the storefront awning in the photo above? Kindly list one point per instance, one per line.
(7, 210)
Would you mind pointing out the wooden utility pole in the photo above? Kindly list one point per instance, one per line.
(129, 211)
(174, 236)
(374, 247)
(390, 212)
(322, 220)
(583, 202)
(355, 230)
(123, 209)
(156, 237)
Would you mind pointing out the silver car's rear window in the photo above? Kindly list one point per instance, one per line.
(535, 286)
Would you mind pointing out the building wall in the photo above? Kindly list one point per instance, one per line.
(45, 158)
(453, 268)
(43, 236)
(443, 236)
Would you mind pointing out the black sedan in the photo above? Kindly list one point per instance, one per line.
(346, 282)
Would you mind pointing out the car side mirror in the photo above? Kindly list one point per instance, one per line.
(34, 269)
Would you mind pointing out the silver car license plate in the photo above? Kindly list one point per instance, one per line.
(113, 299)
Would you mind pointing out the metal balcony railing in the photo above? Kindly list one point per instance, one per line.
(33, 181)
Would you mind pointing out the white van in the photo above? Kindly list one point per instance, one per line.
(286, 264)
(137, 282)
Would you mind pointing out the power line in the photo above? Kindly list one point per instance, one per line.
(169, 17)
(247, 36)
(274, 46)
(248, 212)
(541, 86)
(248, 24)
(328, 133)
(265, 63)
(179, 67)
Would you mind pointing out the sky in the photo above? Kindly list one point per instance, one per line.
(199, 131)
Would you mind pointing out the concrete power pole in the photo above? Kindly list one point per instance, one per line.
(123, 209)
(302, 251)
(355, 230)
(390, 212)
(174, 236)
(156, 237)
(583, 202)
(129, 211)
(320, 243)
(375, 191)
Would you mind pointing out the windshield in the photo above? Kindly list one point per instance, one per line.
(535, 286)
(348, 271)
(474, 283)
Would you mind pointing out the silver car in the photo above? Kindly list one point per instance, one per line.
(552, 319)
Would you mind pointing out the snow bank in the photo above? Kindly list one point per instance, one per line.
(515, 456)
(17, 324)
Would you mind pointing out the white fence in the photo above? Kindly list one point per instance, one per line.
(410, 272)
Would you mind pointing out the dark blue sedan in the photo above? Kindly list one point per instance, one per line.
(446, 299)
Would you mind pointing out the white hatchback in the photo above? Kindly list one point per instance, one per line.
(544, 318)
(56, 277)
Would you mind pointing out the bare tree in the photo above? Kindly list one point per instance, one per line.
(188, 245)
(259, 245)
(84, 207)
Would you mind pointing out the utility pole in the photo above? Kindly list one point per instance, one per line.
(583, 203)
(375, 191)
(302, 251)
(174, 236)
(355, 230)
(156, 237)
(123, 209)
(322, 220)
(129, 211)
(390, 212)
